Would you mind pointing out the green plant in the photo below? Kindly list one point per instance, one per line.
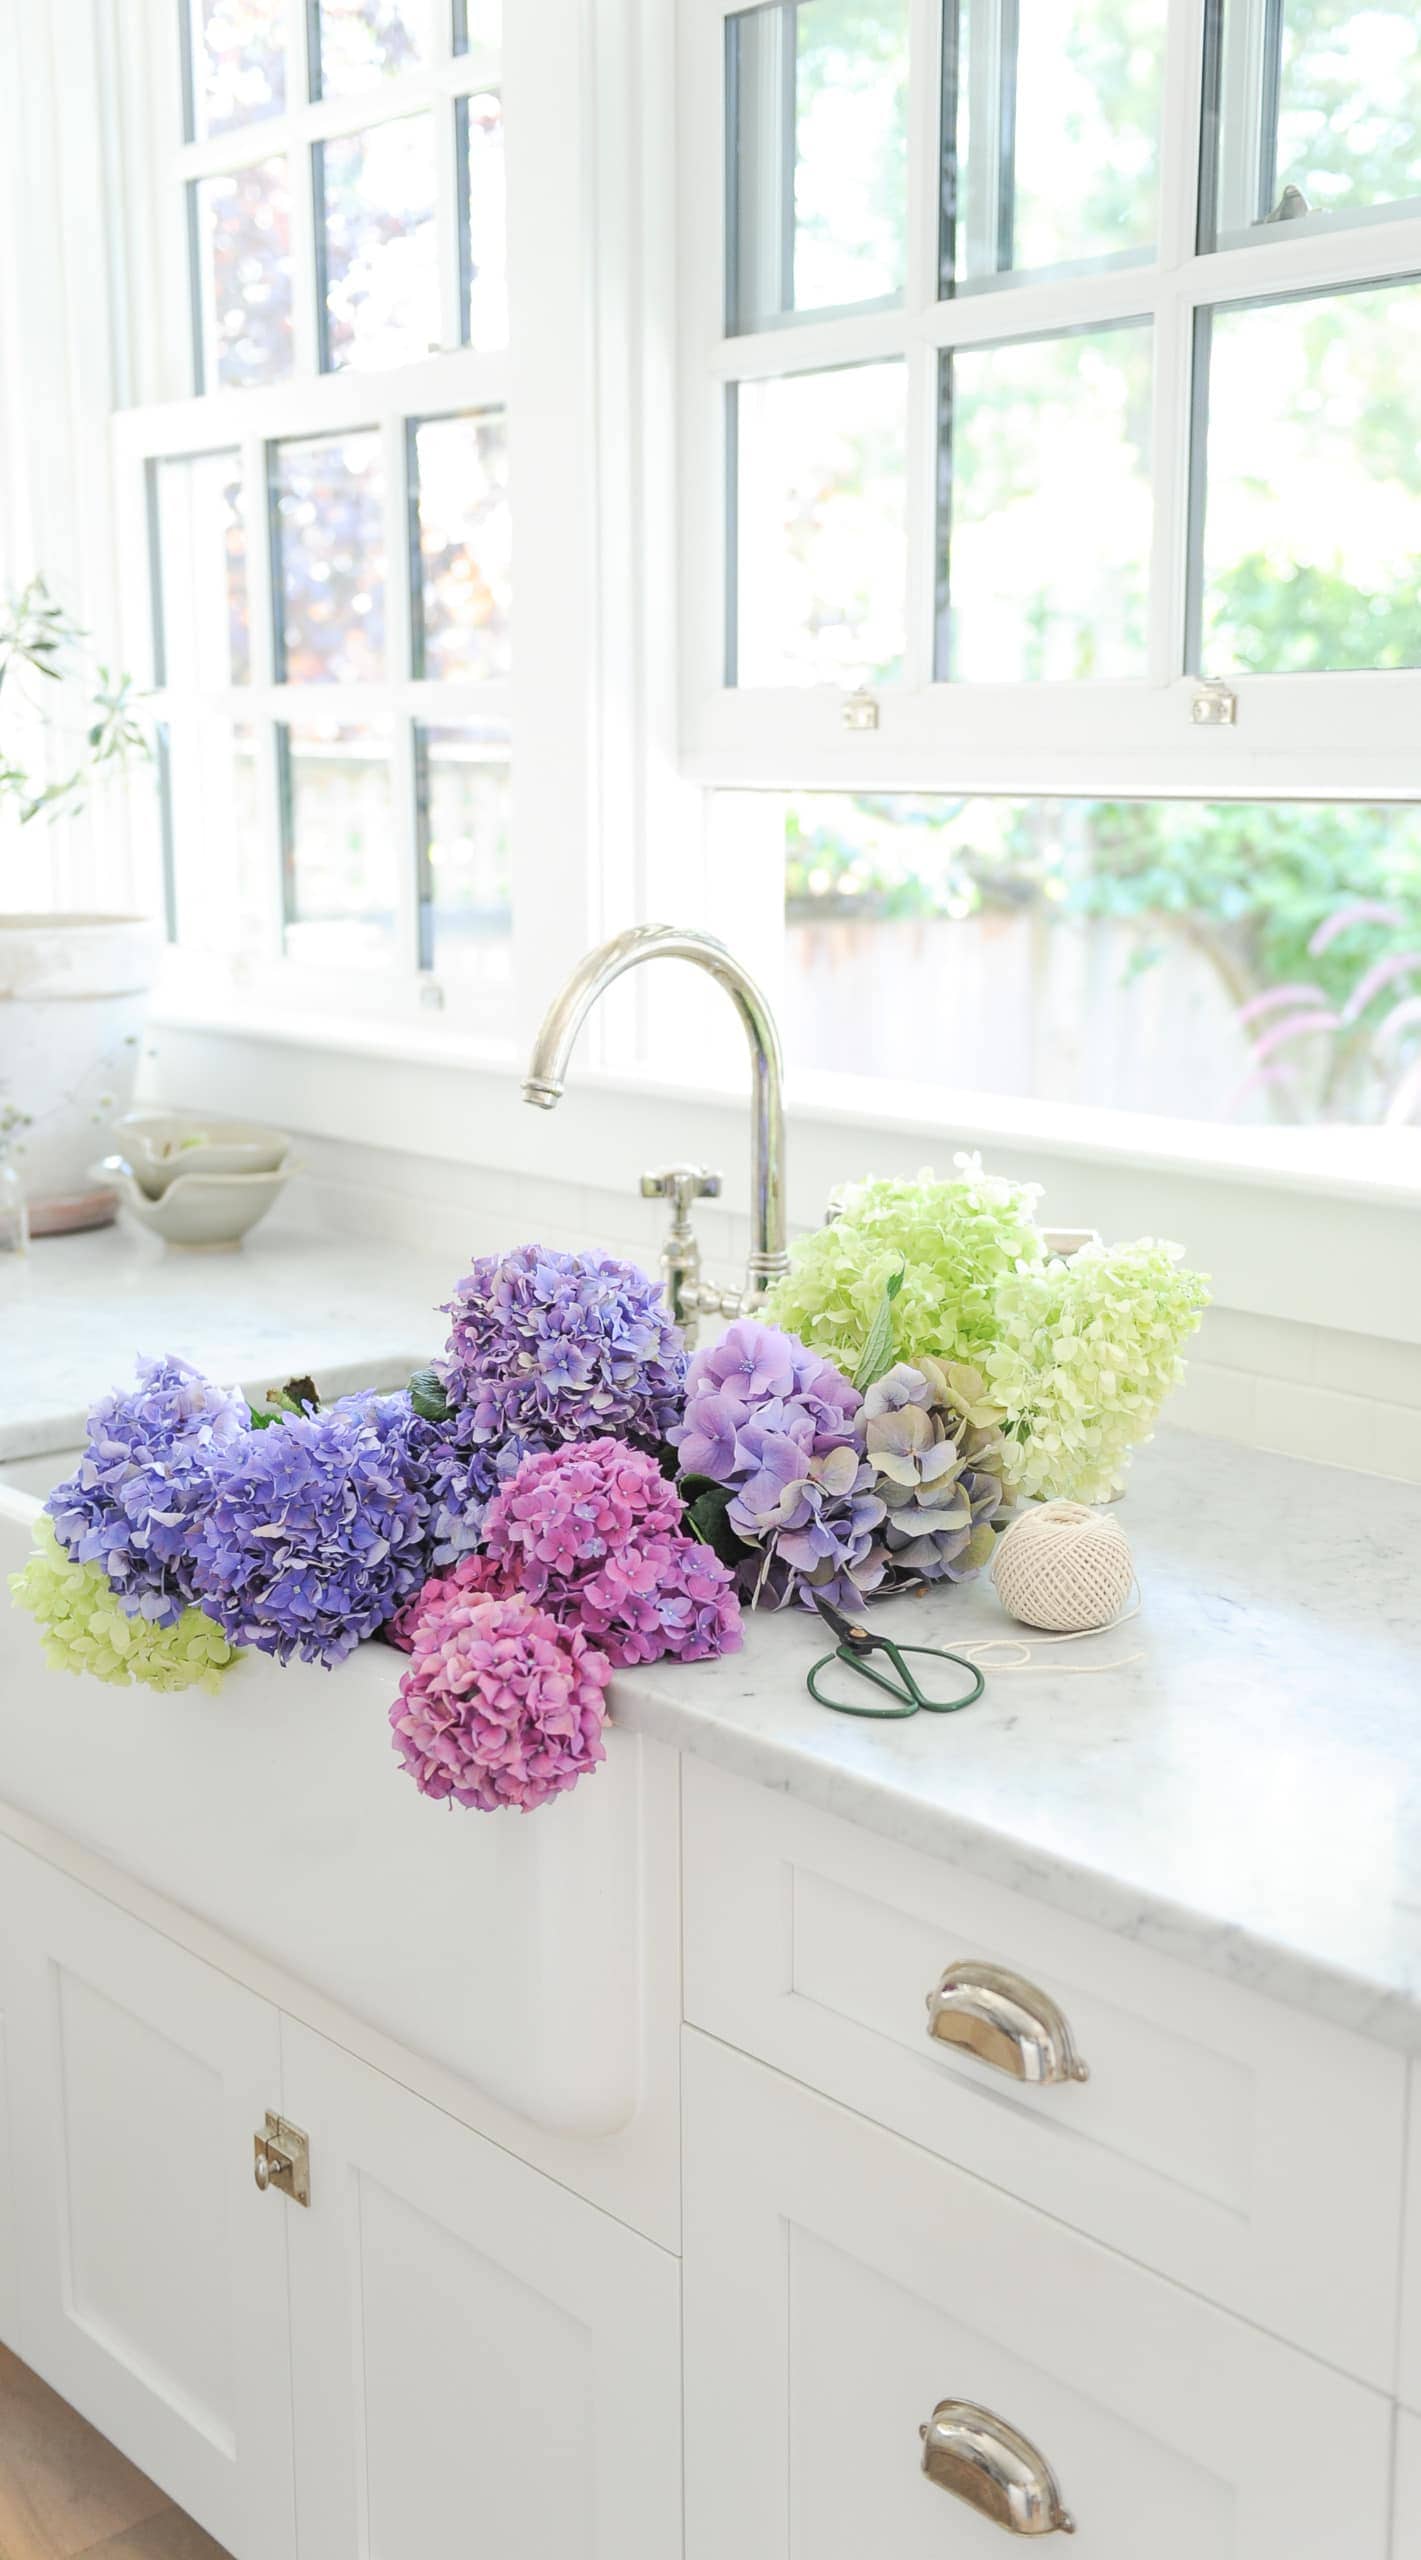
(39, 638)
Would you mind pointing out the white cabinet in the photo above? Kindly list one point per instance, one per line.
(150, 2275)
(443, 2351)
(1245, 2151)
(482, 2361)
(841, 2282)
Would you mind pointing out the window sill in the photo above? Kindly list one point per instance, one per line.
(1318, 1226)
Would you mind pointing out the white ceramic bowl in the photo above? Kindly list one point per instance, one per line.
(164, 1147)
(202, 1212)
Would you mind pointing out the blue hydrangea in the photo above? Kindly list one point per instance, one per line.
(316, 1531)
(460, 1471)
(546, 1347)
(133, 1505)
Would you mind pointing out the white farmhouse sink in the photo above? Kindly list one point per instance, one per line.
(504, 1946)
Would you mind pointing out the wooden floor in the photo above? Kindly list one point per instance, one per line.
(66, 2492)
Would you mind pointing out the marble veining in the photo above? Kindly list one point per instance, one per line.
(1246, 1797)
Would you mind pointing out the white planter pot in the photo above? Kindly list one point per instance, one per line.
(73, 994)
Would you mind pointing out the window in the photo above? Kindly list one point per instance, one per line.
(1046, 362)
(327, 516)
(1051, 418)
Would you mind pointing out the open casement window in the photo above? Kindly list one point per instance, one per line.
(322, 530)
(1051, 396)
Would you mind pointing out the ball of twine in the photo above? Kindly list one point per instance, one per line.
(1065, 1568)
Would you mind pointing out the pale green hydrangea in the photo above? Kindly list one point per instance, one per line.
(1085, 1354)
(956, 1242)
(85, 1629)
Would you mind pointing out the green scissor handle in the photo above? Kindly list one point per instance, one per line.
(856, 1648)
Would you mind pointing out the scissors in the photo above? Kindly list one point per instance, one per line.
(857, 1647)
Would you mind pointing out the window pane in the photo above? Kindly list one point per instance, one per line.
(466, 881)
(483, 222)
(339, 847)
(1053, 151)
(1319, 110)
(478, 26)
(380, 262)
(1141, 956)
(238, 63)
(1312, 485)
(462, 583)
(202, 636)
(215, 846)
(1046, 508)
(358, 43)
(242, 245)
(328, 500)
(820, 549)
(817, 97)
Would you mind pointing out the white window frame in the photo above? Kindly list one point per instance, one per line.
(580, 811)
(1343, 736)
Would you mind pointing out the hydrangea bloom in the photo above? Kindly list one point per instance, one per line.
(563, 1346)
(133, 1504)
(1088, 1351)
(500, 1706)
(933, 1443)
(757, 1380)
(814, 1521)
(461, 1471)
(593, 1531)
(955, 1243)
(470, 1577)
(316, 1531)
(86, 1628)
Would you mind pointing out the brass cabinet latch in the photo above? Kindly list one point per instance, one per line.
(282, 2159)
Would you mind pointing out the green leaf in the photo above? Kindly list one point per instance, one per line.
(706, 1519)
(298, 1396)
(878, 1351)
(427, 1396)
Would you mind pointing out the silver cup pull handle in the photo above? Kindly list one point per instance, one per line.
(991, 2467)
(1005, 2022)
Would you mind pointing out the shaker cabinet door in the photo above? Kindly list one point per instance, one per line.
(482, 2362)
(1406, 2537)
(150, 2274)
(842, 2287)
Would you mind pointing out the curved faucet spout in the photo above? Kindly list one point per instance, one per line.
(547, 1068)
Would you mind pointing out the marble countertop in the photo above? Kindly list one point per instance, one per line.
(1246, 1796)
(75, 1310)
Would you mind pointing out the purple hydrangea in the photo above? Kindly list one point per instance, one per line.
(316, 1531)
(134, 1503)
(814, 1522)
(756, 1380)
(593, 1532)
(461, 1472)
(500, 1705)
(549, 1346)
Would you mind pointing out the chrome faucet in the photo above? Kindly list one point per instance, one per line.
(688, 1295)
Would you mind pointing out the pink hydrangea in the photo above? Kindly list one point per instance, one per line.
(500, 1706)
(471, 1578)
(571, 1509)
(593, 1531)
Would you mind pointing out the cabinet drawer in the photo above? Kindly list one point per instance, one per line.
(1250, 2153)
(840, 2284)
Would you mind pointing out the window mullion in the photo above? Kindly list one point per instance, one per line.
(925, 143)
(399, 571)
(1172, 424)
(302, 162)
(263, 606)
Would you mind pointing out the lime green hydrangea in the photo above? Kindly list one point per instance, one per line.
(956, 1243)
(1086, 1352)
(85, 1629)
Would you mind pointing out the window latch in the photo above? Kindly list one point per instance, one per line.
(1214, 706)
(860, 710)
